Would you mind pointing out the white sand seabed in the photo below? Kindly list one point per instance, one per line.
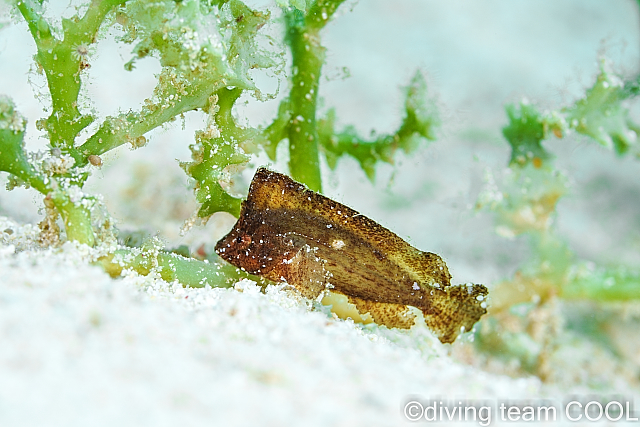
(79, 349)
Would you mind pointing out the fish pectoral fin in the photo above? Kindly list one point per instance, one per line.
(305, 271)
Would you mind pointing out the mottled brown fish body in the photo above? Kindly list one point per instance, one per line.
(289, 233)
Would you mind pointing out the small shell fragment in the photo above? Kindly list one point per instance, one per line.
(95, 160)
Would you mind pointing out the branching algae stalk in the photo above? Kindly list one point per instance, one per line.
(525, 205)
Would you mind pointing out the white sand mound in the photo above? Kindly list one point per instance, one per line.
(79, 349)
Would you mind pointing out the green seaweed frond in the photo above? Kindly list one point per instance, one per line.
(13, 158)
(525, 132)
(216, 152)
(602, 115)
(420, 121)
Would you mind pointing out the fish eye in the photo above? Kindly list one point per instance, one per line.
(243, 241)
